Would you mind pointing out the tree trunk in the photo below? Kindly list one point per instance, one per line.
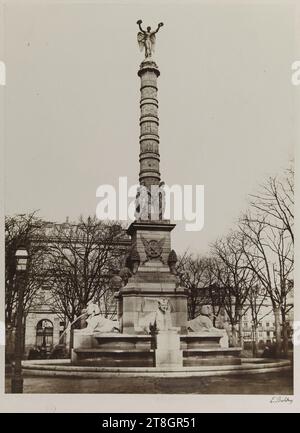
(254, 342)
(285, 342)
(234, 333)
(277, 332)
(71, 340)
(240, 325)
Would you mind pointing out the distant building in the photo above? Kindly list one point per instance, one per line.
(266, 329)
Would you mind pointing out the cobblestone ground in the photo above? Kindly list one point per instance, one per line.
(268, 384)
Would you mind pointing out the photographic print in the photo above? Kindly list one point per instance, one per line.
(148, 187)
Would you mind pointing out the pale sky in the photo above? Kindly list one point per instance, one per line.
(227, 107)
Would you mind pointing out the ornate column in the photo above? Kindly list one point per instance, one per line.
(152, 278)
(149, 121)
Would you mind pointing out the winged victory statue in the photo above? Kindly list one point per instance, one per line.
(146, 38)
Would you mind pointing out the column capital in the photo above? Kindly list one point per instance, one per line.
(148, 66)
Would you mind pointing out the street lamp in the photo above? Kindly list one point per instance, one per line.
(21, 267)
(44, 345)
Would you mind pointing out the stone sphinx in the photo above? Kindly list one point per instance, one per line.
(162, 318)
(204, 323)
(156, 316)
(96, 322)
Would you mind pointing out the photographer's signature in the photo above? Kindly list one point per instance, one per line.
(280, 399)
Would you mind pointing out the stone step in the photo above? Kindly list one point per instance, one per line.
(214, 351)
(196, 361)
(100, 350)
(114, 357)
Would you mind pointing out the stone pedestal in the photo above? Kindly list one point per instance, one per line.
(153, 280)
(167, 352)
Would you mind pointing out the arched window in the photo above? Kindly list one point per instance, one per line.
(44, 334)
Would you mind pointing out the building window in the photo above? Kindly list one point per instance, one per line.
(44, 334)
(268, 333)
(62, 326)
(267, 324)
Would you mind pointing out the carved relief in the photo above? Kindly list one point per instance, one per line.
(149, 109)
(153, 248)
(156, 315)
(162, 319)
(149, 127)
(149, 146)
(149, 92)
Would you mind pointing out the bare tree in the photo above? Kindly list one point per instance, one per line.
(193, 275)
(269, 252)
(82, 257)
(107, 303)
(214, 292)
(200, 276)
(275, 201)
(236, 279)
(23, 230)
(256, 299)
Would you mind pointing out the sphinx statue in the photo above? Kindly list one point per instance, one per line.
(204, 323)
(162, 318)
(96, 322)
(156, 317)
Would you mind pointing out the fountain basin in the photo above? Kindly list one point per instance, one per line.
(138, 350)
(64, 368)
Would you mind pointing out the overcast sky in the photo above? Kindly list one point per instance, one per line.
(227, 106)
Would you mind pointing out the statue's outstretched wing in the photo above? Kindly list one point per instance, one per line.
(145, 242)
(153, 39)
(141, 40)
(161, 242)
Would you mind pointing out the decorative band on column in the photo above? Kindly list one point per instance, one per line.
(146, 155)
(152, 137)
(152, 101)
(147, 118)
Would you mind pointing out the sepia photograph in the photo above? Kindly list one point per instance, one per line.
(148, 176)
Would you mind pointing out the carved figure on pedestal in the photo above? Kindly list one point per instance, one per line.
(96, 322)
(172, 260)
(142, 204)
(125, 273)
(162, 200)
(162, 319)
(133, 260)
(204, 323)
(116, 283)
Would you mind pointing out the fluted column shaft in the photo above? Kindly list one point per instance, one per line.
(149, 121)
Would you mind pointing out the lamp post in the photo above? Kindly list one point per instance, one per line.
(21, 266)
(44, 345)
